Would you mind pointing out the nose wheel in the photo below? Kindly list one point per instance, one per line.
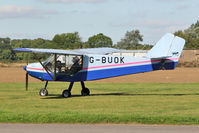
(44, 91)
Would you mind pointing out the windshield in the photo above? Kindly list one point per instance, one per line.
(50, 59)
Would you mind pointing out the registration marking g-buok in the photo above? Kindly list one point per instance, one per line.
(103, 60)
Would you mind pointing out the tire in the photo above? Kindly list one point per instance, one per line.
(66, 93)
(43, 92)
(85, 92)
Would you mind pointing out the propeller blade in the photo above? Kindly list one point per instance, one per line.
(27, 75)
(26, 81)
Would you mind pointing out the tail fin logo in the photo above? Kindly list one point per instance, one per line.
(175, 53)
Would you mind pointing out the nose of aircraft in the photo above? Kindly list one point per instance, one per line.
(25, 68)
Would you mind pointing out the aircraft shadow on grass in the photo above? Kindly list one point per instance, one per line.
(57, 96)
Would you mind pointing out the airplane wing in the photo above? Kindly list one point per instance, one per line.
(48, 51)
(100, 51)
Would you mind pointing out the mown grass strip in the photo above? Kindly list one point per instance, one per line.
(146, 103)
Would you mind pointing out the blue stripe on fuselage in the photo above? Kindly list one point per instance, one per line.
(104, 73)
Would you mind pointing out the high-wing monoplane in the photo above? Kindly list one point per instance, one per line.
(81, 65)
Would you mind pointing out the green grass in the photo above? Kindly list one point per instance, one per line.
(146, 103)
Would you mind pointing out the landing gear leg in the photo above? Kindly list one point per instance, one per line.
(162, 67)
(67, 93)
(85, 91)
(44, 91)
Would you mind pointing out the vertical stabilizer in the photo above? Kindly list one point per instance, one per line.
(169, 46)
(168, 50)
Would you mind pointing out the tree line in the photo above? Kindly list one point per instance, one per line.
(191, 36)
(68, 41)
(131, 40)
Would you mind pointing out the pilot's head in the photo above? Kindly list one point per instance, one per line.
(75, 59)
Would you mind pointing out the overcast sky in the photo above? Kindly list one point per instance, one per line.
(45, 18)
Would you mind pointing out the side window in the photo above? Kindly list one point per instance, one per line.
(61, 63)
(76, 66)
(68, 64)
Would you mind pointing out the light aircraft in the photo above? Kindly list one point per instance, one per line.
(81, 65)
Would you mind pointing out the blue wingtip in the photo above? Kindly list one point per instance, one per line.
(25, 68)
(22, 49)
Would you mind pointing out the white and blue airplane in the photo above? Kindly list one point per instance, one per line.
(81, 65)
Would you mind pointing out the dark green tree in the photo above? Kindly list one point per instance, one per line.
(6, 54)
(5, 49)
(191, 35)
(131, 40)
(67, 40)
(38, 43)
(98, 40)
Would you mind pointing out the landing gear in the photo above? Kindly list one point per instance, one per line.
(67, 93)
(85, 91)
(44, 91)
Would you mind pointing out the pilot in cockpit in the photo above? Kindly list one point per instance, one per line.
(76, 66)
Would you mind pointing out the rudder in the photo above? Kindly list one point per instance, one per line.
(176, 50)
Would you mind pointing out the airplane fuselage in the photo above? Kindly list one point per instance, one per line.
(104, 66)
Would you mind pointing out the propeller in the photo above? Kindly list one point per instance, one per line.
(26, 81)
(25, 68)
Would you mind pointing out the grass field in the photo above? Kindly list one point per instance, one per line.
(147, 103)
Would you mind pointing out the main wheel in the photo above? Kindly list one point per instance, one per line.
(43, 92)
(66, 93)
(85, 92)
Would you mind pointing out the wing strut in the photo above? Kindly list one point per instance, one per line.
(55, 58)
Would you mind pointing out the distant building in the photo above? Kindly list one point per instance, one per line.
(135, 53)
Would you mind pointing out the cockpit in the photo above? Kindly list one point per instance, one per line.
(63, 64)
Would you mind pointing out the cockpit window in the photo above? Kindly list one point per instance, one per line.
(49, 63)
(65, 64)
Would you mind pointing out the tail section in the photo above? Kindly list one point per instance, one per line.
(169, 49)
(161, 49)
